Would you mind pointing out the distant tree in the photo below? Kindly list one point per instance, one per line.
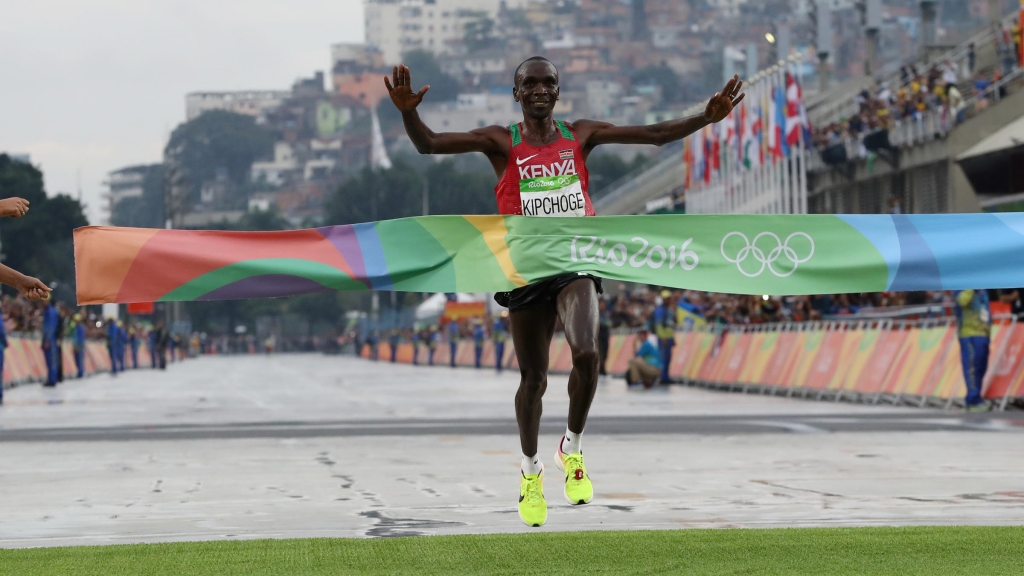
(377, 195)
(39, 244)
(426, 71)
(219, 140)
(398, 193)
(663, 76)
(607, 168)
(460, 192)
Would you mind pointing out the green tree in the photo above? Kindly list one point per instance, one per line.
(218, 140)
(398, 193)
(426, 71)
(460, 192)
(607, 168)
(40, 243)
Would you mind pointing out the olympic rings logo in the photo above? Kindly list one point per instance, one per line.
(767, 260)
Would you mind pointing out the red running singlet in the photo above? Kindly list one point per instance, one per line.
(547, 180)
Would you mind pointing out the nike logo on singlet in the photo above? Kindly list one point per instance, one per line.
(520, 162)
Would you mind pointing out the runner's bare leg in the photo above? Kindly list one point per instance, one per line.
(578, 309)
(532, 329)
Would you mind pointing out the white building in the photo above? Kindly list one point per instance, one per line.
(398, 26)
(127, 183)
(248, 102)
(275, 172)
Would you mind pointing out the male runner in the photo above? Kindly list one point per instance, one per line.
(528, 158)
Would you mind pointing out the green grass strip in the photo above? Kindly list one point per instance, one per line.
(933, 550)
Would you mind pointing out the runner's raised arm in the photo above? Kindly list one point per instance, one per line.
(593, 133)
(489, 140)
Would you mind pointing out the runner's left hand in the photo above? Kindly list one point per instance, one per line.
(722, 103)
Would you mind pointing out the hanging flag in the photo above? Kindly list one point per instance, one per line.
(1020, 33)
(780, 122)
(792, 110)
(737, 254)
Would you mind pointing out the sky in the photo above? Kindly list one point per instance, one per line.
(91, 87)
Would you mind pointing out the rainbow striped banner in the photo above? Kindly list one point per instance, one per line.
(744, 254)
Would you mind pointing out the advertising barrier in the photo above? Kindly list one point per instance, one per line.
(24, 361)
(897, 361)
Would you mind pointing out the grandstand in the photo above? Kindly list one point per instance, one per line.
(951, 157)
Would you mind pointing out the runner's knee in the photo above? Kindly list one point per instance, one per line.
(586, 357)
(533, 385)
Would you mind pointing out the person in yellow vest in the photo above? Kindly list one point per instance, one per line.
(974, 328)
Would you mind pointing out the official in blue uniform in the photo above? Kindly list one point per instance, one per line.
(453, 339)
(393, 341)
(113, 335)
(152, 347)
(499, 333)
(122, 341)
(133, 342)
(665, 329)
(478, 342)
(3, 348)
(51, 324)
(78, 344)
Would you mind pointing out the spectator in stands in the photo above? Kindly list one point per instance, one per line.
(1013, 297)
(645, 366)
(974, 323)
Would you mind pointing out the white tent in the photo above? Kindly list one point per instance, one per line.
(433, 307)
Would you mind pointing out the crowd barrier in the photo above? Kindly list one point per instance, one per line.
(895, 361)
(24, 361)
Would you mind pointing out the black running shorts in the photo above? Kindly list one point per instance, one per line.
(543, 292)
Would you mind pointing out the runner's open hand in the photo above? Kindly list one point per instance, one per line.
(13, 207)
(401, 91)
(721, 104)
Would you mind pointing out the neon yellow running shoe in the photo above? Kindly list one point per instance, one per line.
(578, 489)
(533, 508)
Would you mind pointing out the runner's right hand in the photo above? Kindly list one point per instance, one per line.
(400, 89)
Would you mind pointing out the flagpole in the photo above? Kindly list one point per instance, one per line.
(803, 129)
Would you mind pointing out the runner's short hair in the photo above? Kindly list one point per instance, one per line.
(522, 67)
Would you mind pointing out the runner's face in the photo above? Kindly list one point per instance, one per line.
(536, 90)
